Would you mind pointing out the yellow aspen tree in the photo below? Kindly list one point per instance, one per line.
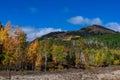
(5, 32)
(8, 45)
(20, 40)
(33, 54)
(59, 53)
(9, 48)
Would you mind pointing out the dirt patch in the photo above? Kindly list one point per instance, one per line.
(99, 73)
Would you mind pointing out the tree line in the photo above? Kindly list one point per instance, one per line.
(52, 54)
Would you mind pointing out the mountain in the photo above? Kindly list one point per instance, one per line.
(93, 30)
(97, 29)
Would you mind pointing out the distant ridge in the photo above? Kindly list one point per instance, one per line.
(97, 29)
(92, 30)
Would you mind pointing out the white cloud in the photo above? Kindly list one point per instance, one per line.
(84, 21)
(33, 33)
(96, 21)
(79, 20)
(113, 25)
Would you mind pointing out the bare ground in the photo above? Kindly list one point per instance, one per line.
(99, 73)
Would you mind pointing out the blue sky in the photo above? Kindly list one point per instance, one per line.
(39, 17)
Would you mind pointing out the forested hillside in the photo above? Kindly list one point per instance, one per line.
(92, 46)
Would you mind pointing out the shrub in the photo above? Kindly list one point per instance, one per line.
(116, 62)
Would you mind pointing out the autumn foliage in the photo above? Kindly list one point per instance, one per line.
(50, 54)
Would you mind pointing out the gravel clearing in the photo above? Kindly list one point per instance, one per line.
(106, 73)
